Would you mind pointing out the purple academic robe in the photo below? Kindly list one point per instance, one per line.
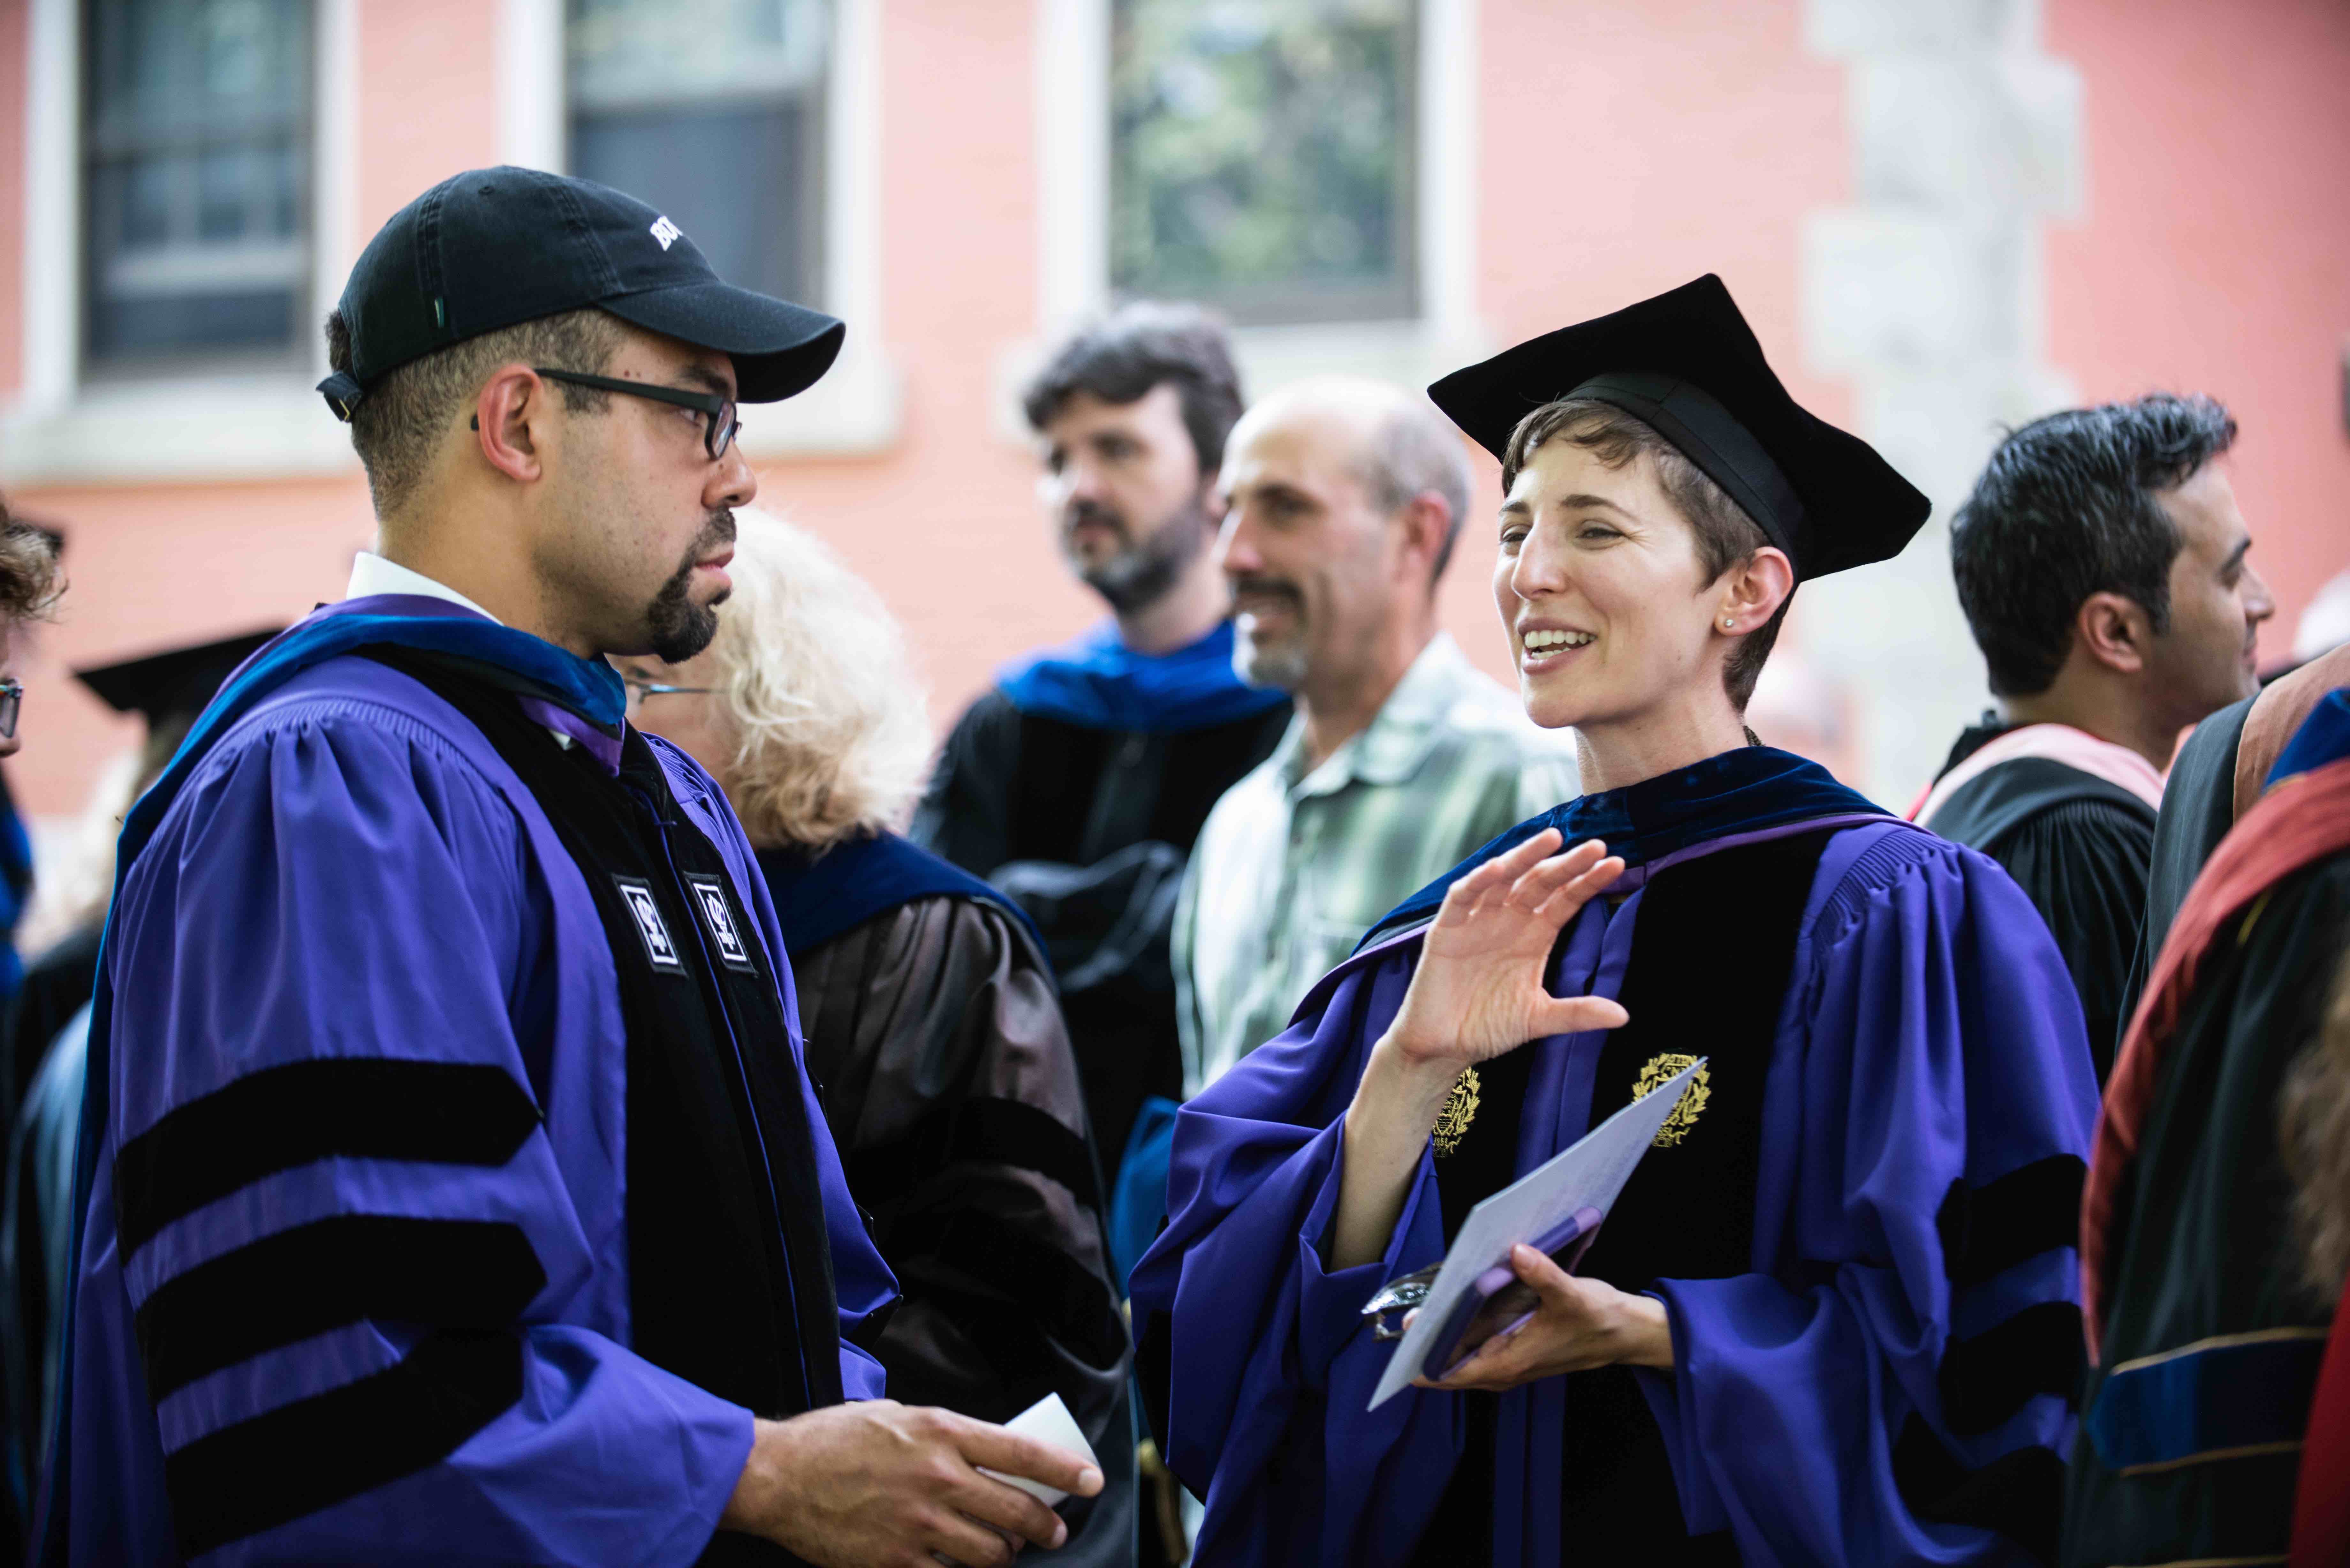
(353, 871)
(1929, 1042)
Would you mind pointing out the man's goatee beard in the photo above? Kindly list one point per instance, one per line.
(1281, 668)
(681, 628)
(1141, 575)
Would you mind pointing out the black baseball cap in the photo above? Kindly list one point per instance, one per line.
(491, 247)
(1685, 364)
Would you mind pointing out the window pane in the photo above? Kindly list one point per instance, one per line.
(198, 179)
(710, 111)
(1262, 156)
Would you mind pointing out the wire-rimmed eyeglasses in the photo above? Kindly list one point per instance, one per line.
(640, 689)
(12, 701)
(719, 423)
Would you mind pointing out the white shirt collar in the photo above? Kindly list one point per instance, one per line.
(371, 573)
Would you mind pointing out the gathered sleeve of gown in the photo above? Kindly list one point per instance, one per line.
(1894, 1383)
(1251, 1352)
(354, 1213)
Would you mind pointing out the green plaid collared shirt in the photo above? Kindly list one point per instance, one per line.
(1291, 870)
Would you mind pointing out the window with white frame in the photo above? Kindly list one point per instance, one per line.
(1263, 156)
(712, 110)
(197, 183)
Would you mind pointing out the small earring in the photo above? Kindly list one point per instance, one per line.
(1729, 621)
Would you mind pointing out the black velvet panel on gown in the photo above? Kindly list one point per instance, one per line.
(2080, 848)
(1712, 953)
(947, 1078)
(1017, 787)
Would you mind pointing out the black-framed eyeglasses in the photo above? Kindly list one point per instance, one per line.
(12, 703)
(719, 423)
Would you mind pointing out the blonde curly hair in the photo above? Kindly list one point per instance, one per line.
(829, 728)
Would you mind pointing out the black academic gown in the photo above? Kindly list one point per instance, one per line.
(56, 985)
(2079, 847)
(1089, 827)
(951, 1091)
(2198, 806)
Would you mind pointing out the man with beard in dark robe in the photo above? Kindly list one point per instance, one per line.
(1078, 782)
(2101, 563)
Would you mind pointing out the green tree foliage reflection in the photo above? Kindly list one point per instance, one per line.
(1262, 156)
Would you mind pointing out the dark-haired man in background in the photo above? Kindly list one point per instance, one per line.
(2101, 563)
(1079, 782)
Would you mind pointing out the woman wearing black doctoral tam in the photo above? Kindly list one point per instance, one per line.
(1832, 1319)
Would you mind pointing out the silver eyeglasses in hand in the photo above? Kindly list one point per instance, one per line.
(1401, 1294)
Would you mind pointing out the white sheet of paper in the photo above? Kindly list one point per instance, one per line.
(1588, 1175)
(1046, 1421)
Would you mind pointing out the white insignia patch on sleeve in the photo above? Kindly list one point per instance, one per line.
(718, 918)
(650, 927)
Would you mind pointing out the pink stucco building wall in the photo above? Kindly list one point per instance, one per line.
(1620, 148)
(2215, 252)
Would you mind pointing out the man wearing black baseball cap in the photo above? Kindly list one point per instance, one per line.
(453, 1187)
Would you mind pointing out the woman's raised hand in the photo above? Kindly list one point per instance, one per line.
(1476, 992)
(1478, 989)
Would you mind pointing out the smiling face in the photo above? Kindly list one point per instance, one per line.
(1316, 569)
(2208, 657)
(1600, 585)
(1123, 487)
(639, 521)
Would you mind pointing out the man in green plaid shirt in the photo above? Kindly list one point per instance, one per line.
(1344, 500)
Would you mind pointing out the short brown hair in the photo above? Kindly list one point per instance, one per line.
(1140, 346)
(1726, 535)
(396, 426)
(30, 582)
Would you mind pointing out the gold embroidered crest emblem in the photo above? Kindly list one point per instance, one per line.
(1459, 1110)
(1693, 1097)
